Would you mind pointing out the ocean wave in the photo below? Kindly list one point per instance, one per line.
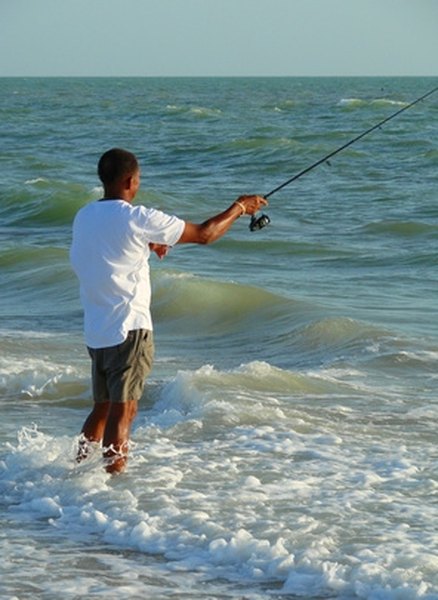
(200, 312)
(422, 362)
(42, 367)
(43, 202)
(401, 228)
(352, 102)
(374, 102)
(236, 319)
(219, 305)
(387, 101)
(201, 112)
(35, 181)
(431, 156)
(184, 295)
(38, 284)
(42, 380)
(287, 106)
(189, 393)
(263, 142)
(18, 257)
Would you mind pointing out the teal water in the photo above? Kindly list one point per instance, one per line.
(286, 442)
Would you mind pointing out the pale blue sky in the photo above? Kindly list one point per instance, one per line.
(218, 37)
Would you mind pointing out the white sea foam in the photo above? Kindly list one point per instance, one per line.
(198, 111)
(35, 181)
(351, 102)
(36, 377)
(383, 101)
(360, 102)
(305, 503)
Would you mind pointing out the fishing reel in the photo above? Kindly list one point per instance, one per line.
(259, 222)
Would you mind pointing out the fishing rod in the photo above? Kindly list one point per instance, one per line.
(263, 220)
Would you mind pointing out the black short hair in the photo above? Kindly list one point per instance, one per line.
(115, 164)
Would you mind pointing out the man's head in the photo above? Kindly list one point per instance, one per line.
(119, 172)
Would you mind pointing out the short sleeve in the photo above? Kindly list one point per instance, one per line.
(161, 228)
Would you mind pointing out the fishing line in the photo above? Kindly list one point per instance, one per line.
(263, 220)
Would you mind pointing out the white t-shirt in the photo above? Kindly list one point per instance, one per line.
(109, 254)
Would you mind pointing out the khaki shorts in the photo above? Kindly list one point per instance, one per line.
(119, 372)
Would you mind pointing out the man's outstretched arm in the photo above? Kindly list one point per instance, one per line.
(214, 228)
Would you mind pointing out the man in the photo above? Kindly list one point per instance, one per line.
(111, 245)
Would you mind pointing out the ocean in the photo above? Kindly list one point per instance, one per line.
(286, 442)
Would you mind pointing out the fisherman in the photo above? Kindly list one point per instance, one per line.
(112, 241)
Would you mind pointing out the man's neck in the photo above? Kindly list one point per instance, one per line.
(117, 194)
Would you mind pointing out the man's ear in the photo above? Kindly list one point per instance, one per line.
(127, 182)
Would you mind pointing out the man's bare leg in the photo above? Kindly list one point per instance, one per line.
(93, 428)
(116, 434)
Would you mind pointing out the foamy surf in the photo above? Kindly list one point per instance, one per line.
(248, 483)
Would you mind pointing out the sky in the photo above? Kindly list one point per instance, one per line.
(218, 37)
